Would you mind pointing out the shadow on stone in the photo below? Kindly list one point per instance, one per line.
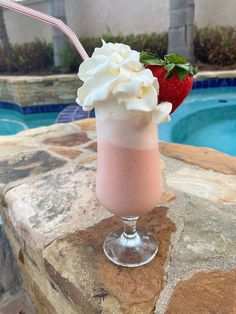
(28, 164)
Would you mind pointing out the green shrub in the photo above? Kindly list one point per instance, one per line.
(150, 42)
(216, 45)
(31, 57)
(212, 46)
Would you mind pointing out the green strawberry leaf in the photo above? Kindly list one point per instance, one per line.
(169, 67)
(174, 58)
(185, 66)
(149, 58)
(182, 73)
(194, 71)
(169, 75)
(172, 62)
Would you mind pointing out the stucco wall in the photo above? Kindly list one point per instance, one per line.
(133, 16)
(92, 17)
(21, 28)
(215, 12)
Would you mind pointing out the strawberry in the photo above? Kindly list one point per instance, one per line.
(174, 75)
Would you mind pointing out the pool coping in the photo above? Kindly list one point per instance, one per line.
(211, 79)
(37, 78)
(216, 74)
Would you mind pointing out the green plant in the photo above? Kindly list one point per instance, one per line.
(216, 45)
(149, 42)
(31, 57)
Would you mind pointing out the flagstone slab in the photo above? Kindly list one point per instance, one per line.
(12, 146)
(73, 139)
(88, 278)
(28, 164)
(203, 157)
(45, 132)
(18, 303)
(69, 153)
(209, 233)
(205, 292)
(54, 205)
(92, 146)
(212, 186)
(86, 124)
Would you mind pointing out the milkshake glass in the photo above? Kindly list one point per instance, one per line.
(125, 97)
(129, 182)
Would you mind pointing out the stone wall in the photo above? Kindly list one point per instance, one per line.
(39, 90)
(59, 89)
(9, 277)
(89, 18)
(57, 227)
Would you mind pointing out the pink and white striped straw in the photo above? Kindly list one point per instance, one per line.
(47, 19)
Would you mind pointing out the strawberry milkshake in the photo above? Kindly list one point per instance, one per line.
(128, 173)
(124, 94)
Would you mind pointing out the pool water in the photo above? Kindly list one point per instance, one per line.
(12, 122)
(206, 118)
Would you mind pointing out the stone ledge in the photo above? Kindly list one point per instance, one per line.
(56, 226)
(59, 89)
(89, 278)
(203, 157)
(216, 74)
(211, 292)
(34, 90)
(33, 79)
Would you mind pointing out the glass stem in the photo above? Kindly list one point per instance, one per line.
(130, 231)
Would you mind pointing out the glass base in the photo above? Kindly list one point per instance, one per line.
(130, 252)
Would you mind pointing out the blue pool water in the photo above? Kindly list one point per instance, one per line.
(206, 118)
(12, 122)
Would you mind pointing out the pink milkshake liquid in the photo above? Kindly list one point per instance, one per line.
(129, 182)
(128, 179)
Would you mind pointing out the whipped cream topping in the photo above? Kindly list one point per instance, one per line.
(114, 73)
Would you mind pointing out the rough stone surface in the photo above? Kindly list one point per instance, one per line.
(28, 164)
(45, 132)
(56, 227)
(88, 277)
(92, 146)
(68, 140)
(168, 196)
(44, 293)
(86, 124)
(12, 146)
(69, 153)
(212, 292)
(18, 303)
(201, 156)
(213, 186)
(37, 90)
(55, 205)
(9, 277)
(209, 232)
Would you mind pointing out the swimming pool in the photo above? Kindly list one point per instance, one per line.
(12, 122)
(206, 118)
